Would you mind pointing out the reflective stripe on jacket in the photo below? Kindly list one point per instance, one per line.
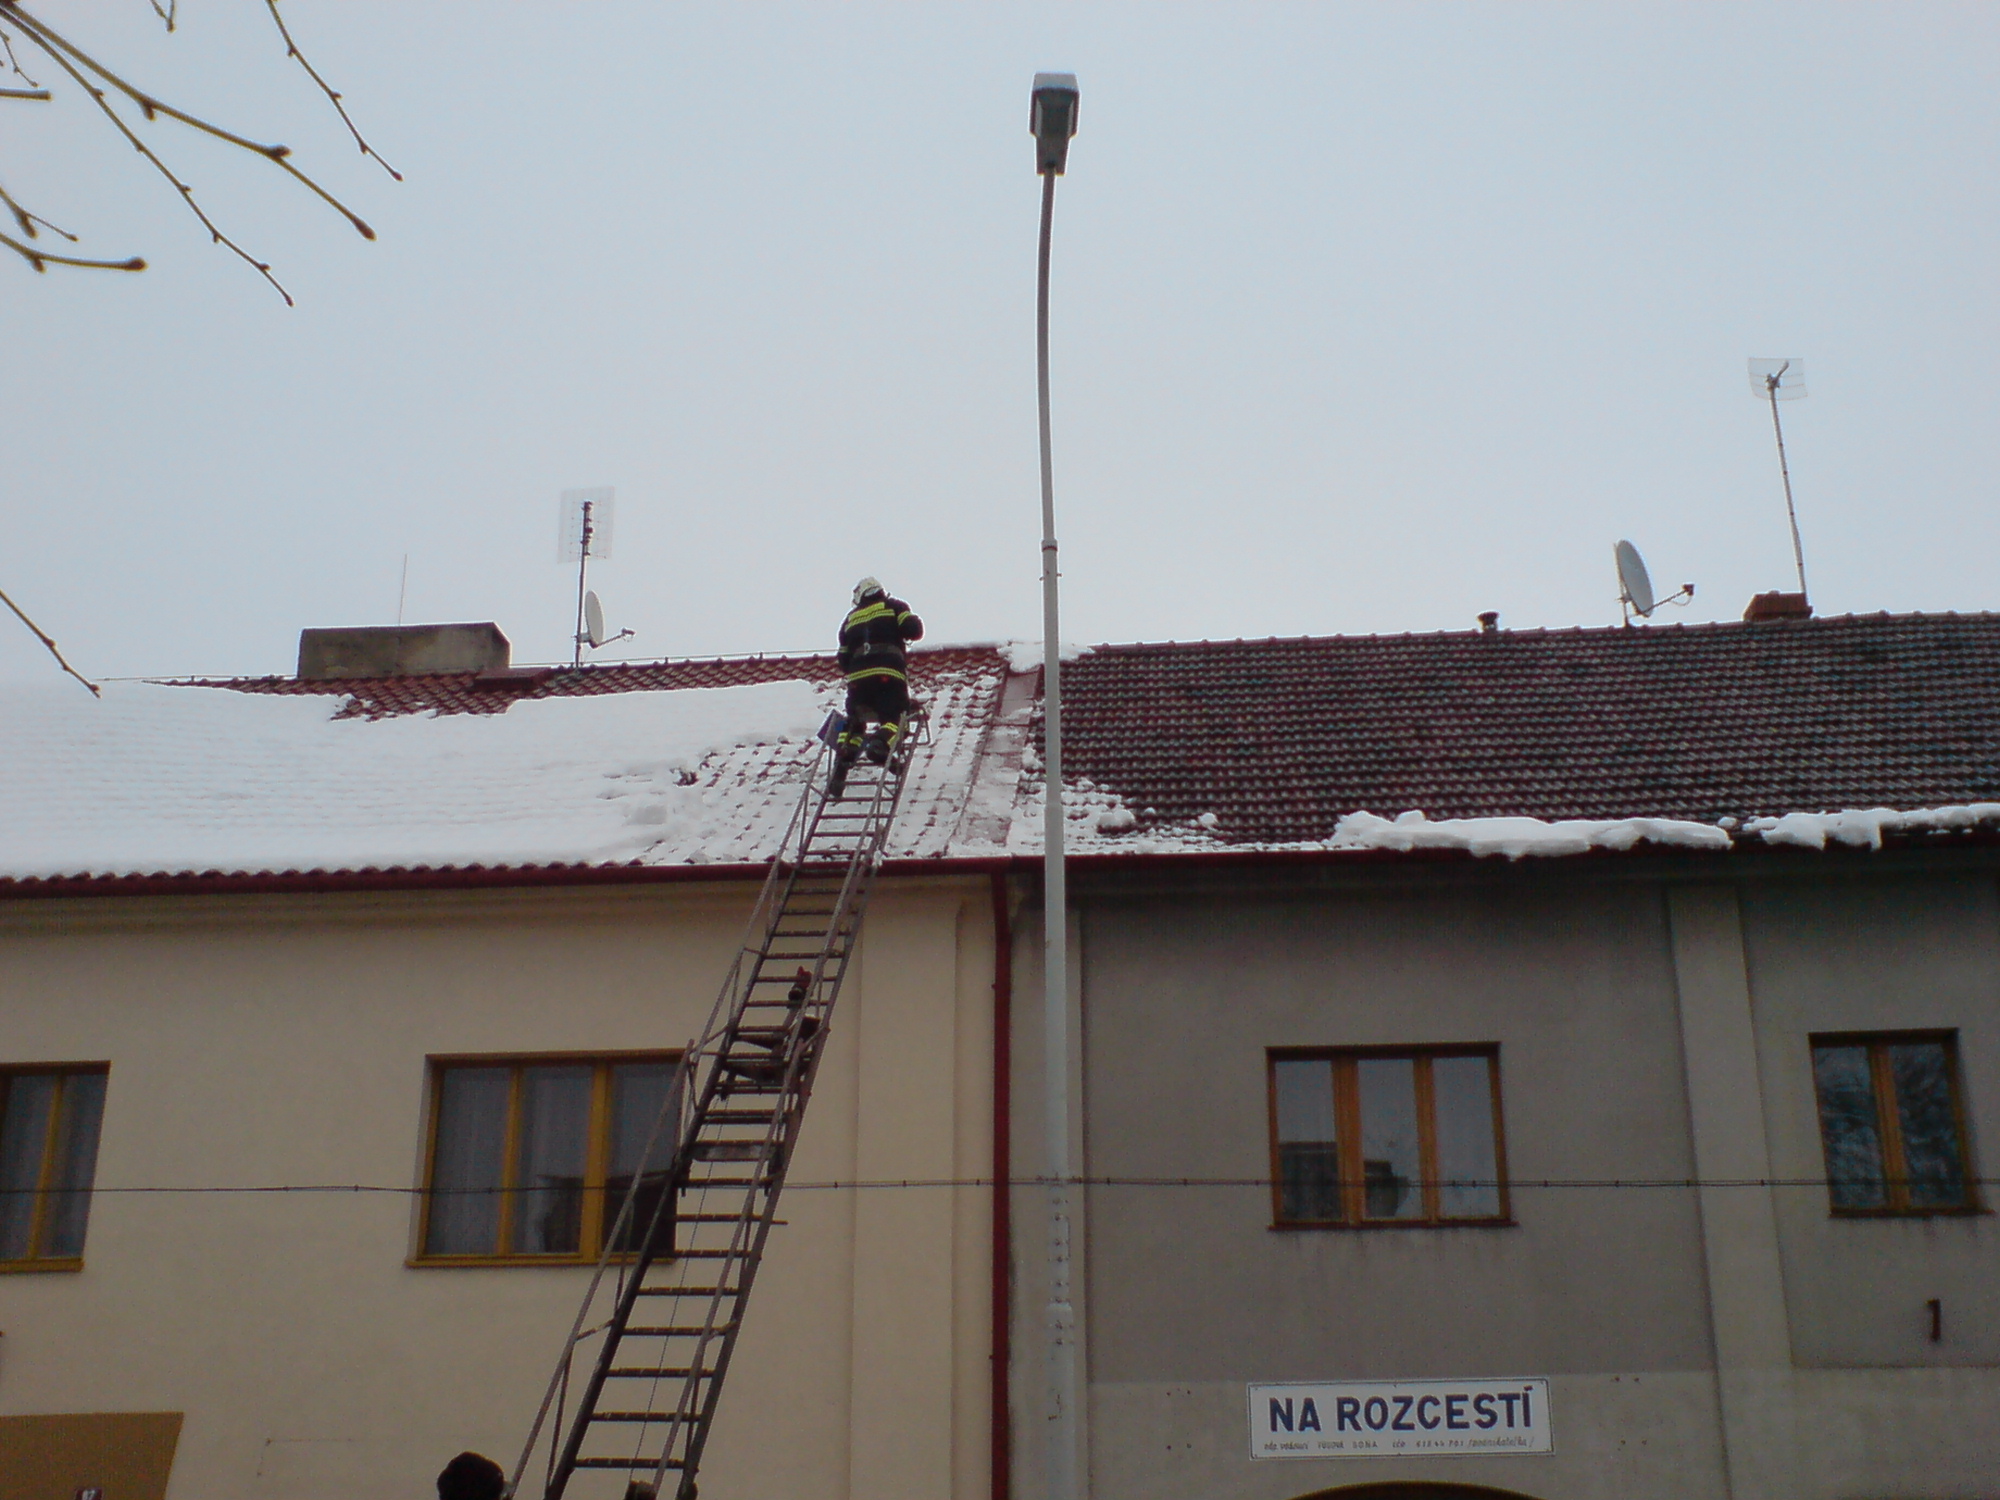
(872, 638)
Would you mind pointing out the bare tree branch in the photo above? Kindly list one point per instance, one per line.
(42, 94)
(41, 260)
(53, 49)
(87, 73)
(59, 47)
(292, 50)
(40, 635)
(15, 62)
(28, 221)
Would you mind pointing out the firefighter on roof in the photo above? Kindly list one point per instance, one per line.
(878, 686)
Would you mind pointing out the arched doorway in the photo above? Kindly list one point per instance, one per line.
(1410, 1490)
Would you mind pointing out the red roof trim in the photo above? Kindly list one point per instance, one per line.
(528, 877)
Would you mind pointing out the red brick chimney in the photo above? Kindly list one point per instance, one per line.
(1777, 605)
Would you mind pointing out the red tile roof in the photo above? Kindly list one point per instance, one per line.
(1279, 738)
(491, 692)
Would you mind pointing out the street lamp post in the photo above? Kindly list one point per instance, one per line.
(1052, 119)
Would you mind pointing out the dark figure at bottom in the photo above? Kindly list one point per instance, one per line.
(472, 1476)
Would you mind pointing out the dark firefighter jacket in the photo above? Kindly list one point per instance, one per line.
(872, 637)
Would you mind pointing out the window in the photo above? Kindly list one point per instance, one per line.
(1387, 1136)
(49, 1120)
(530, 1158)
(1891, 1124)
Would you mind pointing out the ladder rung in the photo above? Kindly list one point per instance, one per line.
(730, 1150)
(757, 1071)
(690, 1291)
(629, 1465)
(741, 1116)
(678, 1331)
(686, 1254)
(632, 1416)
(661, 1372)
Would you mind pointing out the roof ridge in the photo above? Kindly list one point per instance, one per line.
(1585, 632)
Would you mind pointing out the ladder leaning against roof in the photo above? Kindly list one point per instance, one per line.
(670, 1289)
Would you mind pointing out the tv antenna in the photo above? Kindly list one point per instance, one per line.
(1635, 585)
(1783, 380)
(584, 518)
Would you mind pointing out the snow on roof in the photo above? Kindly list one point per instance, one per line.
(1097, 821)
(702, 763)
(179, 780)
(1863, 828)
(171, 779)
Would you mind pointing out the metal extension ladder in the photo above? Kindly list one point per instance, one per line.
(670, 1289)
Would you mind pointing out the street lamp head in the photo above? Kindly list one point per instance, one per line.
(1052, 120)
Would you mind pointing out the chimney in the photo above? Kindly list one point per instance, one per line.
(1489, 621)
(402, 651)
(1777, 606)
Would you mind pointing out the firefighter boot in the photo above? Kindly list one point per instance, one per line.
(844, 754)
(882, 740)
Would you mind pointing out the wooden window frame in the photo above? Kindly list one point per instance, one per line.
(38, 1226)
(1347, 1126)
(597, 1150)
(1889, 1124)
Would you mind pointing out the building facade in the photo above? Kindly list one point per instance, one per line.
(1299, 1090)
(1548, 1064)
(309, 1150)
(1614, 1125)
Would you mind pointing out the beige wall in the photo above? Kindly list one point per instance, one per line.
(258, 1041)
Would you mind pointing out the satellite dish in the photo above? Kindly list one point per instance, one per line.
(1635, 586)
(593, 613)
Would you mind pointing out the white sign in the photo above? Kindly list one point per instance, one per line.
(1400, 1419)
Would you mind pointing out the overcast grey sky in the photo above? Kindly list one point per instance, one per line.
(1366, 318)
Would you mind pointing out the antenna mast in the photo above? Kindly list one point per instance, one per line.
(1783, 380)
(582, 567)
(585, 517)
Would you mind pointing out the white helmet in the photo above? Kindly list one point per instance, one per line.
(866, 588)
